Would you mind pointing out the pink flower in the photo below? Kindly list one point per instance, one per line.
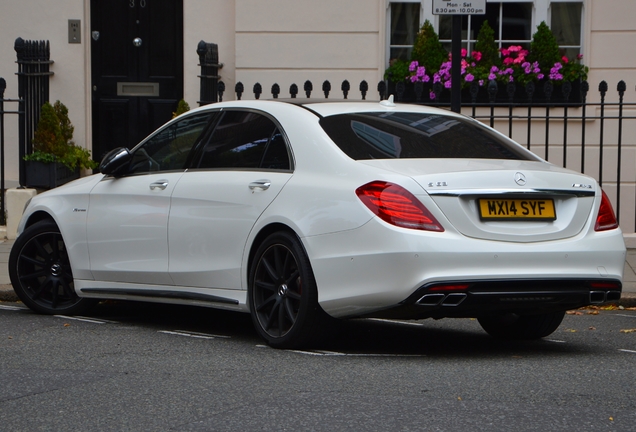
(414, 64)
(464, 52)
(469, 78)
(557, 67)
(493, 72)
(554, 72)
(527, 68)
(420, 73)
(514, 55)
(432, 95)
(579, 57)
(519, 60)
(477, 55)
(565, 59)
(481, 83)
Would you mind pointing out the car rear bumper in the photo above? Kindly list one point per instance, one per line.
(378, 267)
(474, 299)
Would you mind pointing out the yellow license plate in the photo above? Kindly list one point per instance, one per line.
(517, 209)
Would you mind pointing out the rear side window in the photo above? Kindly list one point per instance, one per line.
(245, 139)
(399, 135)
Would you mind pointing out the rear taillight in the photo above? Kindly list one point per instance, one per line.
(606, 219)
(397, 206)
(450, 287)
(605, 285)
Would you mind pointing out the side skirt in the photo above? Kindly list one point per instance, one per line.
(161, 293)
(228, 299)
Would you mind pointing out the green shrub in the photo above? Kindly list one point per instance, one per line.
(182, 107)
(48, 134)
(487, 46)
(428, 50)
(544, 48)
(53, 140)
(398, 71)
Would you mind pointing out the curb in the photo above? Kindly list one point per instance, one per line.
(7, 294)
(628, 300)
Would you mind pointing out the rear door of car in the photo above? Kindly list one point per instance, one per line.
(127, 226)
(236, 174)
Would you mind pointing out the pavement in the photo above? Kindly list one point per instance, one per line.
(628, 297)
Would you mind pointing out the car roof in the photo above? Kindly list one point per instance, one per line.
(326, 107)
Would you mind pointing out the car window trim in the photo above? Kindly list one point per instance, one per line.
(198, 152)
(163, 128)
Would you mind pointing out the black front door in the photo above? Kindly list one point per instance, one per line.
(137, 69)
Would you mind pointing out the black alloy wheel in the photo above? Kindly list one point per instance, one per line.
(283, 297)
(521, 327)
(40, 271)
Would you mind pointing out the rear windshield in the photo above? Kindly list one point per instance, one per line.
(399, 135)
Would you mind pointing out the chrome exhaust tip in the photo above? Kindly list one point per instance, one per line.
(454, 299)
(431, 300)
(598, 297)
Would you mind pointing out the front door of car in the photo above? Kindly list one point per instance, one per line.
(128, 216)
(236, 175)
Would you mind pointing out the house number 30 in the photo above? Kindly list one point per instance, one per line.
(142, 3)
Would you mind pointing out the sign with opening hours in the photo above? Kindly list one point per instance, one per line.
(457, 7)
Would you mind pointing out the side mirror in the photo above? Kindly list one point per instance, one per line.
(115, 161)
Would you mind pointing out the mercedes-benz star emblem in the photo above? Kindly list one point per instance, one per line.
(520, 179)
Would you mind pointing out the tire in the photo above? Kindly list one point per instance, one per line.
(282, 292)
(521, 327)
(40, 271)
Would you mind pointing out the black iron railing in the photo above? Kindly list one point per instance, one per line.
(3, 112)
(209, 85)
(34, 61)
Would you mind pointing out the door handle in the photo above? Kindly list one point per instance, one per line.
(260, 184)
(161, 184)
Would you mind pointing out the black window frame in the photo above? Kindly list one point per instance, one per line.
(374, 135)
(198, 152)
(148, 141)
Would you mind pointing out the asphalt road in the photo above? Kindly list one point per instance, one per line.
(144, 367)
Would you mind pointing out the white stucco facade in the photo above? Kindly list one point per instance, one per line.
(291, 41)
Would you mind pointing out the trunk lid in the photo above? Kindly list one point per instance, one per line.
(503, 200)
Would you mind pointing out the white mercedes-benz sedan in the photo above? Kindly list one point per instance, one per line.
(297, 212)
